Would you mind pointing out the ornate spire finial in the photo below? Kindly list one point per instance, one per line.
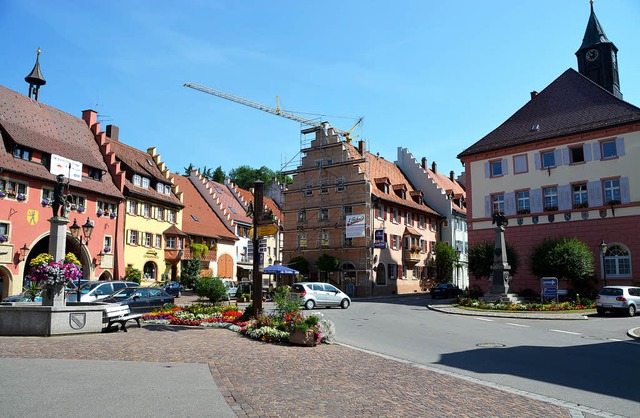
(35, 78)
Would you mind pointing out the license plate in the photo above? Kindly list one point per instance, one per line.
(606, 305)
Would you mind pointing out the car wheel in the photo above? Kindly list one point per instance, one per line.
(631, 310)
(600, 311)
(310, 304)
(344, 304)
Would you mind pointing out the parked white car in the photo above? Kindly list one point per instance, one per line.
(97, 290)
(623, 299)
(312, 294)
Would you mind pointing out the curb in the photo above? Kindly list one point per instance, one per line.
(634, 333)
(447, 309)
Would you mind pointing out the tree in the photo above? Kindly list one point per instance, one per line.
(481, 259)
(445, 260)
(190, 273)
(244, 176)
(299, 263)
(327, 263)
(132, 274)
(564, 258)
(219, 175)
(211, 288)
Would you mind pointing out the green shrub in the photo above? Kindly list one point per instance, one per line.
(564, 258)
(190, 273)
(211, 288)
(481, 259)
(475, 292)
(132, 274)
(283, 302)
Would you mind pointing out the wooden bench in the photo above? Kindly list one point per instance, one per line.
(119, 314)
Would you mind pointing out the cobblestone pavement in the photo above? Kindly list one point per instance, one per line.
(277, 380)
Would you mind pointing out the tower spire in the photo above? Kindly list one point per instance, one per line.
(35, 78)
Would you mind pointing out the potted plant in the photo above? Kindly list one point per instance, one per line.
(80, 209)
(44, 202)
(2, 194)
(415, 249)
(11, 194)
(112, 215)
(3, 238)
(304, 330)
(73, 206)
(21, 197)
(107, 249)
(99, 213)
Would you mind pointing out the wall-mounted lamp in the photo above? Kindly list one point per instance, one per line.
(23, 252)
(99, 257)
(87, 230)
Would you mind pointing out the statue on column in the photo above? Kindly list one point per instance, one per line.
(59, 203)
(500, 268)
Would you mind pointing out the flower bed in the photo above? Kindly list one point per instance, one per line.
(531, 307)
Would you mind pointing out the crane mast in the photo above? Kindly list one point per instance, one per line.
(274, 111)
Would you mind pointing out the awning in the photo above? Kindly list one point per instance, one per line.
(411, 231)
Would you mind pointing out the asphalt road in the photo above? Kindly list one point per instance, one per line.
(590, 362)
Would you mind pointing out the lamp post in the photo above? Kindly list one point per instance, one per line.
(87, 230)
(603, 251)
(458, 252)
(23, 252)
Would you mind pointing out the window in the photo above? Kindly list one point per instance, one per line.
(172, 242)
(409, 218)
(346, 210)
(347, 242)
(147, 239)
(232, 210)
(13, 189)
(171, 216)
(611, 191)
(94, 173)
(609, 149)
(22, 152)
(421, 223)
(160, 188)
(381, 279)
(77, 201)
(106, 207)
(523, 202)
(302, 215)
(167, 189)
(47, 194)
(146, 210)
(324, 188)
(496, 168)
(617, 261)
(432, 224)
(145, 182)
(576, 154)
(497, 203)
(379, 211)
(340, 185)
(395, 242)
(580, 196)
(137, 179)
(396, 217)
(107, 243)
(323, 215)
(323, 239)
(393, 271)
(520, 164)
(131, 207)
(550, 198)
(548, 159)
(4, 229)
(307, 190)
(158, 241)
(302, 241)
(133, 237)
(159, 213)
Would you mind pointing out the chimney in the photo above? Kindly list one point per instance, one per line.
(424, 163)
(113, 132)
(452, 176)
(361, 147)
(434, 167)
(90, 117)
(534, 94)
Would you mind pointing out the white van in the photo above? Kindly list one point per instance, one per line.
(97, 290)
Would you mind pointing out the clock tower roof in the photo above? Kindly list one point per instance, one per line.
(594, 34)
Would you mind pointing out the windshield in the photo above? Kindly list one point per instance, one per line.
(88, 287)
(125, 293)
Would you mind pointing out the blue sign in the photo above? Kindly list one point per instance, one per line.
(549, 287)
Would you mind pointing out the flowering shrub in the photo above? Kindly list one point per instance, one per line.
(47, 272)
(534, 307)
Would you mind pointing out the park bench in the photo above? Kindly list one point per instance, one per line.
(119, 314)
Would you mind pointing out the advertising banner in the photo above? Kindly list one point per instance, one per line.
(355, 226)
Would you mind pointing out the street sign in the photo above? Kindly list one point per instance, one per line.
(265, 230)
(549, 287)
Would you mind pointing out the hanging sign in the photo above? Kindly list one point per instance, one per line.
(68, 168)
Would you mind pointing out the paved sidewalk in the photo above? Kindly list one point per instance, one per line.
(256, 379)
(449, 309)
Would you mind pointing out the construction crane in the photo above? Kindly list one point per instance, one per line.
(274, 111)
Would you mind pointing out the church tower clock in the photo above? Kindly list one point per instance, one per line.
(598, 57)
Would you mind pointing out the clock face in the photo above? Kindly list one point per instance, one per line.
(592, 55)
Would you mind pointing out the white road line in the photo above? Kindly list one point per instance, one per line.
(484, 319)
(565, 332)
(518, 325)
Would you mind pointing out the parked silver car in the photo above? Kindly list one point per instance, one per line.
(312, 294)
(98, 290)
(625, 299)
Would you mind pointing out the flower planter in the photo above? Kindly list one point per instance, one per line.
(305, 338)
(21, 198)
(99, 213)
(53, 295)
(44, 202)
(112, 216)
(80, 209)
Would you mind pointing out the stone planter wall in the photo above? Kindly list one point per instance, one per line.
(306, 338)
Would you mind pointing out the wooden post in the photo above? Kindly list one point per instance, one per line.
(258, 210)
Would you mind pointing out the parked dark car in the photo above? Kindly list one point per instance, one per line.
(173, 288)
(445, 291)
(140, 299)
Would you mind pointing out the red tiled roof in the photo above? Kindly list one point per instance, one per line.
(445, 183)
(229, 202)
(267, 201)
(41, 127)
(571, 104)
(208, 224)
(174, 230)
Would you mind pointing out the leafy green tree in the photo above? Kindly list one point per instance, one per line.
(188, 170)
(219, 175)
(299, 263)
(190, 272)
(481, 259)
(327, 263)
(211, 288)
(445, 260)
(564, 258)
(244, 176)
(132, 274)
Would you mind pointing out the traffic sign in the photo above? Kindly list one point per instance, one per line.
(265, 230)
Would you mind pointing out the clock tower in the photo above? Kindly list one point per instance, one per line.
(598, 57)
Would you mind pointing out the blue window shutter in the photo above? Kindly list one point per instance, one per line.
(487, 170)
(535, 200)
(510, 204)
(557, 156)
(594, 193)
(565, 156)
(625, 195)
(620, 146)
(487, 207)
(587, 152)
(564, 197)
(505, 167)
(596, 151)
(538, 159)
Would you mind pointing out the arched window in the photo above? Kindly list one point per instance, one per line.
(381, 275)
(150, 271)
(617, 261)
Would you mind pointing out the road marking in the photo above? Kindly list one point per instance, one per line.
(565, 332)
(484, 319)
(518, 325)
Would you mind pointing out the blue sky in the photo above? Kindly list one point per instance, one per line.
(431, 76)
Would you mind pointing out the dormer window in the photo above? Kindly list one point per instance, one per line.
(95, 173)
(145, 182)
(400, 190)
(21, 152)
(383, 184)
(137, 179)
(160, 188)
(416, 195)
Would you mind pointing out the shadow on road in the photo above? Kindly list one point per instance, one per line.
(560, 365)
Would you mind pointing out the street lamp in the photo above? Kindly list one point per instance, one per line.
(87, 230)
(458, 252)
(23, 252)
(603, 251)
